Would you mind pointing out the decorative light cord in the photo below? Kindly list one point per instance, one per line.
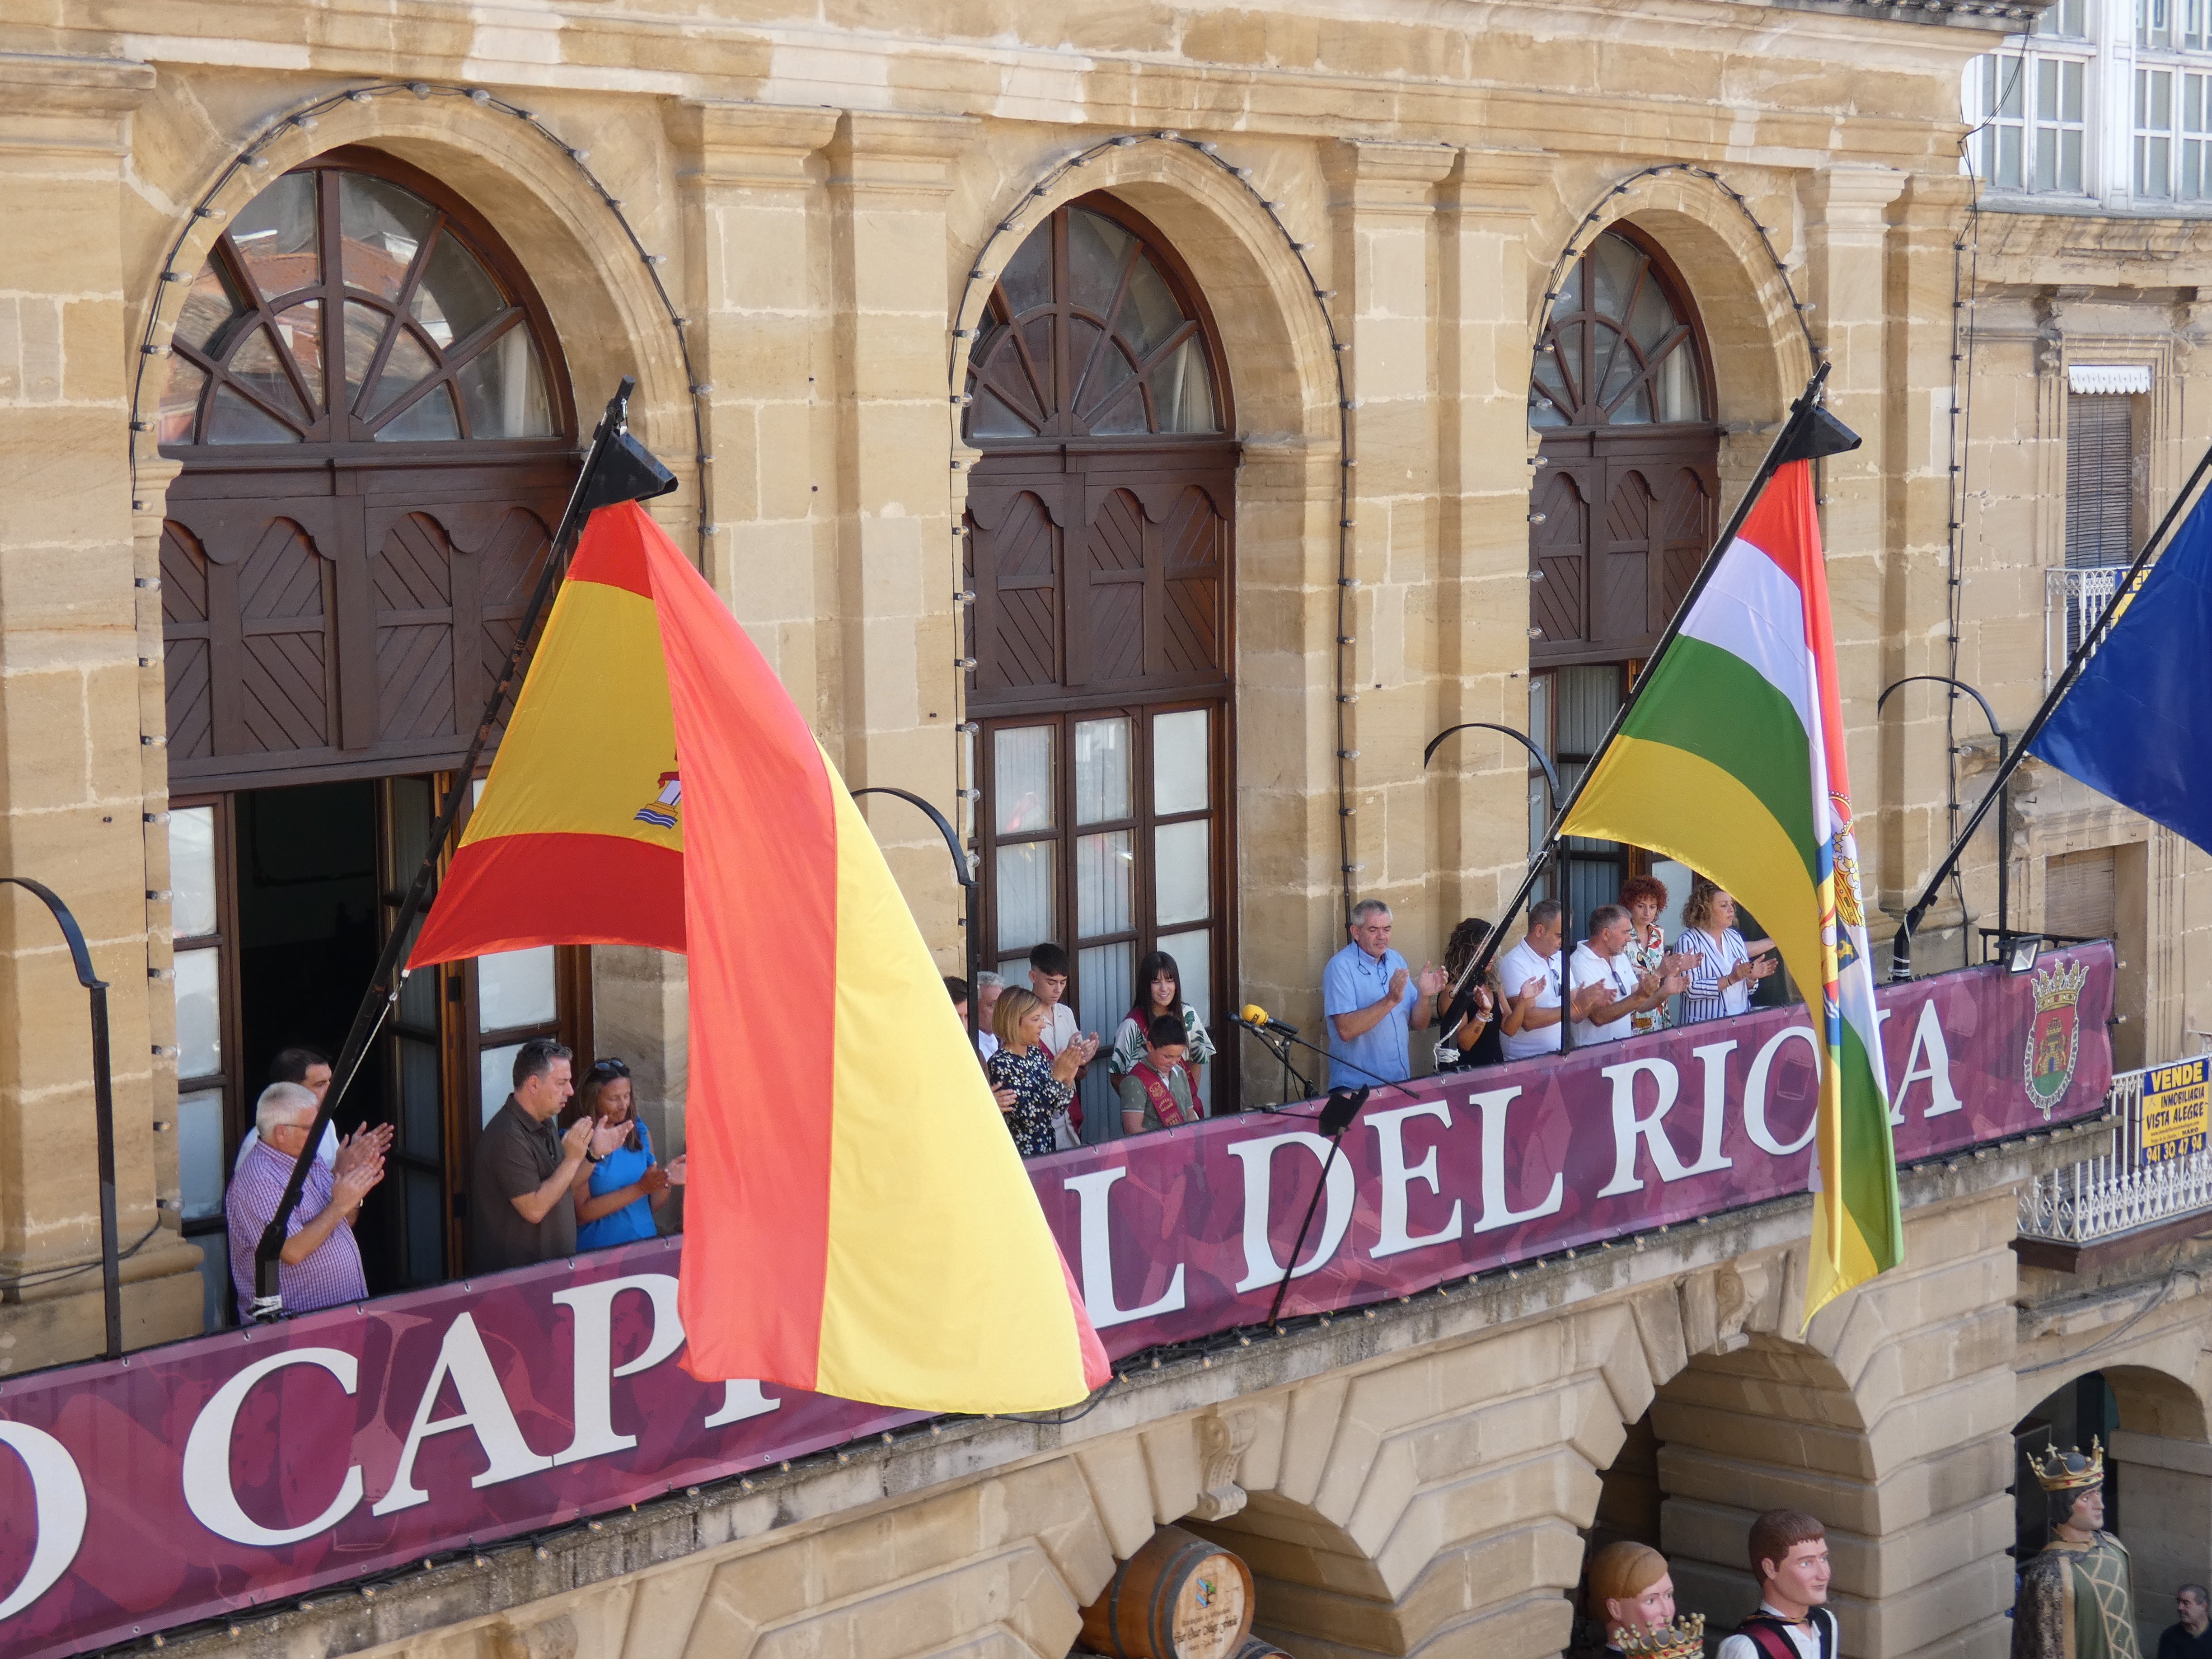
(1965, 284)
(984, 276)
(303, 117)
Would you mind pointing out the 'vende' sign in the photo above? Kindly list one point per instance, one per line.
(232, 1470)
(2174, 1109)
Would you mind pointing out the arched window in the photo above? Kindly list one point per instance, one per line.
(1620, 349)
(1087, 336)
(433, 346)
(1099, 538)
(1623, 507)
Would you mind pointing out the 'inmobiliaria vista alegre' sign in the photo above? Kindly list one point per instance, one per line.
(226, 1471)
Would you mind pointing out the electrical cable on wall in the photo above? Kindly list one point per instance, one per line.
(1966, 285)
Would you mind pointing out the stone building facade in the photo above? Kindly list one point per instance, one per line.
(801, 230)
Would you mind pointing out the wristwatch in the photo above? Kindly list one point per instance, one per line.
(591, 1156)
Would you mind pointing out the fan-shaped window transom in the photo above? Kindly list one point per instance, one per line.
(1620, 349)
(1090, 333)
(340, 306)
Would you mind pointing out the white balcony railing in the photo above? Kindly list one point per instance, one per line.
(2073, 599)
(2135, 1185)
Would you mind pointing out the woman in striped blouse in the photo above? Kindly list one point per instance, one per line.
(1724, 965)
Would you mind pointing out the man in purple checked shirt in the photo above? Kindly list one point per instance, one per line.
(320, 1265)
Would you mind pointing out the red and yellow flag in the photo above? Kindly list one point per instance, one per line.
(858, 1222)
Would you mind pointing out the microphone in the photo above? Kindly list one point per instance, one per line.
(1254, 1018)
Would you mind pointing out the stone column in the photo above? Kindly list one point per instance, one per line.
(891, 716)
(73, 770)
(1479, 781)
(1913, 830)
(1381, 209)
(755, 227)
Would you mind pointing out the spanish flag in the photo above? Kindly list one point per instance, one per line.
(858, 1222)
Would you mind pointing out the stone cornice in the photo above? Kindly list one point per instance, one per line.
(899, 154)
(61, 104)
(750, 146)
(1990, 16)
(1505, 182)
(1371, 176)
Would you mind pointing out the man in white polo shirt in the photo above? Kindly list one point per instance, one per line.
(1607, 991)
(1529, 976)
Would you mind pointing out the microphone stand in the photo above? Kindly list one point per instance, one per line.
(1337, 1113)
(1281, 1049)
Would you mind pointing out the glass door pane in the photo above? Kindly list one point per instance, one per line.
(495, 1078)
(1102, 972)
(1182, 873)
(192, 872)
(1024, 893)
(1102, 771)
(1022, 780)
(199, 1012)
(198, 886)
(1193, 958)
(1105, 870)
(1181, 754)
(408, 1240)
(516, 988)
(200, 1166)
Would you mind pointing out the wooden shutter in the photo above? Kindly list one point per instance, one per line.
(2100, 479)
(2080, 896)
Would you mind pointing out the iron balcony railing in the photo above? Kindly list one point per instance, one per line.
(2160, 1167)
(2073, 599)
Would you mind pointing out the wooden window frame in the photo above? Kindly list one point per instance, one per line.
(1143, 823)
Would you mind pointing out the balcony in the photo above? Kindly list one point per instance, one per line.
(2073, 598)
(2153, 1188)
(235, 1472)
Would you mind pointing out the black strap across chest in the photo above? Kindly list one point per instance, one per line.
(1770, 1636)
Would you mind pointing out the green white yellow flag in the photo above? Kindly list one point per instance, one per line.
(1732, 761)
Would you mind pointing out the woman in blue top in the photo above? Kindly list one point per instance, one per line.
(616, 1196)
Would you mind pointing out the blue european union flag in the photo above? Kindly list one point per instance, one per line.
(2133, 727)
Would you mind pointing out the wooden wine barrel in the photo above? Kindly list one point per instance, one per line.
(1259, 1647)
(1179, 1597)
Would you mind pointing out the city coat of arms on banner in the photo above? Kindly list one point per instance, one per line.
(2054, 1039)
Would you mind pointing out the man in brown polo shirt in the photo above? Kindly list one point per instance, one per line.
(520, 1210)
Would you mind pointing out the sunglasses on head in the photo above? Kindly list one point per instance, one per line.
(606, 1070)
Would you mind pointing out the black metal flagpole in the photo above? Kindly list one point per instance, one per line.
(1808, 434)
(617, 467)
(1900, 954)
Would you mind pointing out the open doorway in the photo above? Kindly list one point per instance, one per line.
(307, 940)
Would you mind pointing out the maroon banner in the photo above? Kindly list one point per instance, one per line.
(218, 1474)
(1184, 1232)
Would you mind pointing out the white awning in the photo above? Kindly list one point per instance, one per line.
(2125, 380)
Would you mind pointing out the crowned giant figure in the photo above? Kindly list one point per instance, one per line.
(2075, 1599)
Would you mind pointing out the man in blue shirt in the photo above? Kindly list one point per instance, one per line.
(1372, 1001)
